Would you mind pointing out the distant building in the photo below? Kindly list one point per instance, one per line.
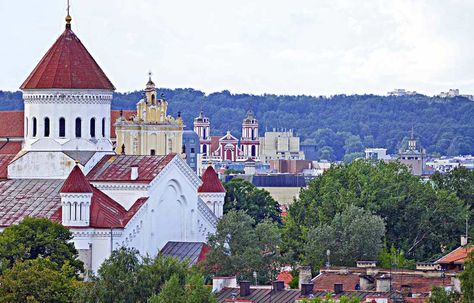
(191, 149)
(376, 154)
(290, 166)
(228, 147)
(414, 157)
(151, 131)
(310, 151)
(452, 93)
(399, 92)
(281, 145)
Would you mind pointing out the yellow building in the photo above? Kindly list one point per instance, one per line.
(151, 131)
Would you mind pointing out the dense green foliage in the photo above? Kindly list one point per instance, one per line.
(239, 247)
(354, 234)
(257, 203)
(467, 280)
(440, 295)
(194, 291)
(340, 126)
(37, 281)
(420, 219)
(394, 258)
(329, 299)
(37, 237)
(128, 277)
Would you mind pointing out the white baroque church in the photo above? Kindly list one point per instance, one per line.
(67, 169)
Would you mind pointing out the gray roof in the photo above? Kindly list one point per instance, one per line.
(265, 295)
(185, 251)
(20, 198)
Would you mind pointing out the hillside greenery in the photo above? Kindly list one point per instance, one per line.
(340, 126)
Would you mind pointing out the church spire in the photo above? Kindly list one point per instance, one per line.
(68, 17)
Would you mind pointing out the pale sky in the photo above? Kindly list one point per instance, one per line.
(310, 47)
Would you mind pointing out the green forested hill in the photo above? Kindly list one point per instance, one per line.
(339, 125)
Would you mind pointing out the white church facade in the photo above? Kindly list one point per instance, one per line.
(68, 171)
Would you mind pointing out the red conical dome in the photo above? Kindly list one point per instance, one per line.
(67, 65)
(211, 182)
(76, 182)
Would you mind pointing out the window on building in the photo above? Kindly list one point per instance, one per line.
(204, 149)
(46, 127)
(192, 150)
(26, 127)
(78, 128)
(204, 133)
(170, 145)
(103, 127)
(253, 151)
(152, 152)
(62, 127)
(34, 127)
(92, 128)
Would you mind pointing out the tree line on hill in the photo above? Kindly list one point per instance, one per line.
(340, 126)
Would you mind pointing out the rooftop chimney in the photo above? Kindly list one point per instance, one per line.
(278, 285)
(338, 288)
(463, 240)
(306, 289)
(304, 275)
(134, 172)
(244, 288)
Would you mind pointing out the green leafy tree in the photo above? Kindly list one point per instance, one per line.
(440, 295)
(394, 258)
(419, 219)
(127, 277)
(239, 247)
(37, 280)
(194, 291)
(38, 238)
(354, 234)
(328, 299)
(257, 203)
(467, 280)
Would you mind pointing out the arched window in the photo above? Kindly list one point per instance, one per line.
(204, 133)
(103, 127)
(78, 128)
(62, 127)
(253, 151)
(153, 99)
(46, 127)
(26, 127)
(204, 149)
(34, 127)
(92, 128)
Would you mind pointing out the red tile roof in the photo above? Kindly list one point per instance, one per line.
(211, 182)
(114, 115)
(456, 256)
(20, 198)
(118, 168)
(11, 124)
(106, 212)
(214, 143)
(4, 161)
(326, 280)
(67, 65)
(76, 182)
(286, 277)
(10, 148)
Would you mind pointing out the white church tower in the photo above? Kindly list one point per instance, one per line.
(212, 192)
(67, 109)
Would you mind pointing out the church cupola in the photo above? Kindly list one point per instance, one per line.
(212, 192)
(67, 100)
(250, 142)
(202, 127)
(76, 199)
